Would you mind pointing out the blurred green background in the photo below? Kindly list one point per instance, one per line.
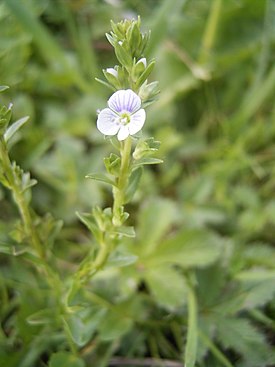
(215, 118)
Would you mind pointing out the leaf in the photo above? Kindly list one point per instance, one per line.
(81, 327)
(101, 177)
(192, 331)
(41, 317)
(133, 184)
(114, 326)
(154, 220)
(88, 220)
(65, 359)
(14, 127)
(243, 337)
(188, 248)
(121, 259)
(3, 88)
(167, 286)
(125, 231)
(147, 160)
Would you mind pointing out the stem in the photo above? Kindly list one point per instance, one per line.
(19, 198)
(119, 191)
(210, 31)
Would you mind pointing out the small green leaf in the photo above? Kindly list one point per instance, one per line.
(90, 223)
(124, 231)
(101, 177)
(105, 84)
(3, 88)
(41, 317)
(146, 73)
(147, 160)
(14, 127)
(112, 164)
(133, 184)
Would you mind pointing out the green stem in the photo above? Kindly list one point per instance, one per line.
(19, 198)
(119, 191)
(210, 31)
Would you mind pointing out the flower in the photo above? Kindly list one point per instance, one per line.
(124, 116)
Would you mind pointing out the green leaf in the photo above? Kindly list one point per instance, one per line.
(121, 259)
(147, 160)
(154, 220)
(112, 164)
(146, 73)
(41, 317)
(240, 335)
(3, 88)
(101, 177)
(90, 223)
(133, 184)
(14, 127)
(114, 326)
(192, 331)
(82, 326)
(124, 231)
(167, 286)
(65, 359)
(188, 248)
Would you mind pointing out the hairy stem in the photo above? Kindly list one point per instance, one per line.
(20, 200)
(119, 191)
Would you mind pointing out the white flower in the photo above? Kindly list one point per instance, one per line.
(124, 116)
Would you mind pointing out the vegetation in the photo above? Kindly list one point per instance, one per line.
(196, 285)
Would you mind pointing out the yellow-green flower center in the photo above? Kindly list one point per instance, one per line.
(124, 118)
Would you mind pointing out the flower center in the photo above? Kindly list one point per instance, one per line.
(124, 118)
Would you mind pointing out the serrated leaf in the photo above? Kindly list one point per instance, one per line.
(188, 248)
(101, 177)
(14, 127)
(240, 335)
(154, 220)
(167, 286)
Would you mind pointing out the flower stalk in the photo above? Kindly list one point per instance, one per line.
(119, 191)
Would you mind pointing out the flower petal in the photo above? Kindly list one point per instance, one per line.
(123, 132)
(107, 122)
(137, 121)
(124, 100)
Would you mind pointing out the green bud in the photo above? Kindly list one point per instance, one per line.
(5, 116)
(111, 75)
(146, 148)
(148, 92)
(112, 164)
